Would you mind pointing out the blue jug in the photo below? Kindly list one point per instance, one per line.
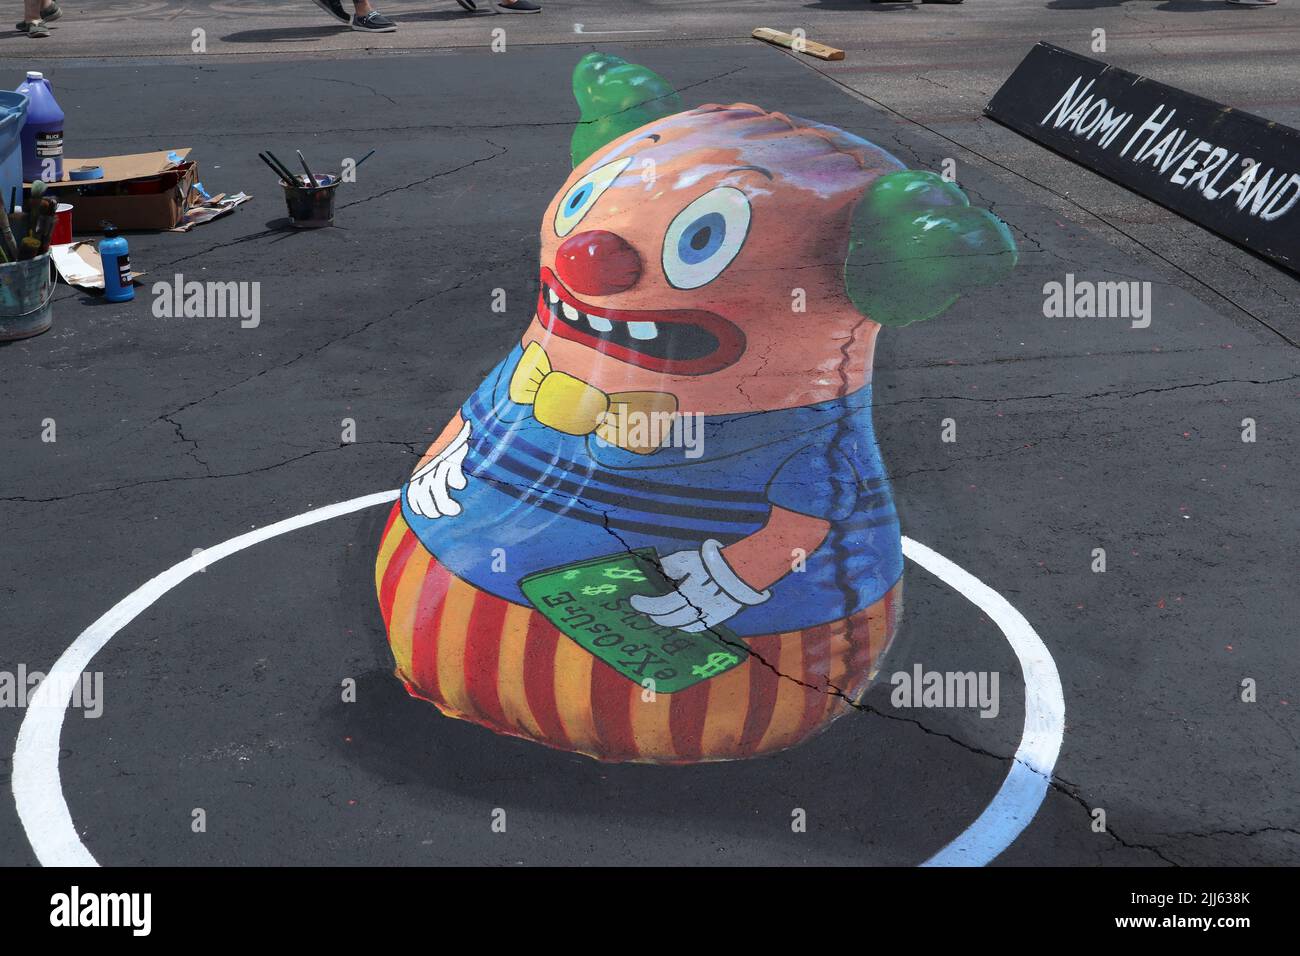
(42, 135)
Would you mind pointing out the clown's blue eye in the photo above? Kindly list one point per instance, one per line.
(702, 238)
(705, 236)
(577, 202)
(579, 198)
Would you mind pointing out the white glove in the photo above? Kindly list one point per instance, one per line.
(707, 592)
(427, 492)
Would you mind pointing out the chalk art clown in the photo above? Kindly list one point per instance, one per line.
(660, 530)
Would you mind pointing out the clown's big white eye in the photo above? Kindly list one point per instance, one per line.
(579, 200)
(705, 236)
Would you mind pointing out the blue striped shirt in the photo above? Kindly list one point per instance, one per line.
(539, 499)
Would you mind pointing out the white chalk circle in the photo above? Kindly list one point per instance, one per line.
(43, 810)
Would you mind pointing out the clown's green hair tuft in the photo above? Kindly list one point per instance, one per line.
(917, 244)
(616, 97)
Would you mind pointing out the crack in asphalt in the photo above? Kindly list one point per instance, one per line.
(893, 476)
(360, 86)
(412, 447)
(1209, 834)
(501, 151)
(167, 417)
(738, 416)
(1109, 394)
(194, 451)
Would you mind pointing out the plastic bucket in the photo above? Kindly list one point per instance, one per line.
(311, 208)
(13, 113)
(26, 293)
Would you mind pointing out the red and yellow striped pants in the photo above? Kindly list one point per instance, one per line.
(482, 658)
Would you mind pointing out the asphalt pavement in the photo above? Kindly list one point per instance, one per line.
(1072, 434)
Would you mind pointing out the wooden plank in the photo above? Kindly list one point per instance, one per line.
(798, 44)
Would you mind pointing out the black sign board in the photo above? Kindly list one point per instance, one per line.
(1232, 172)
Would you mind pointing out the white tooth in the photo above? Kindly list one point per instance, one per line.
(570, 312)
(643, 330)
(599, 324)
(550, 294)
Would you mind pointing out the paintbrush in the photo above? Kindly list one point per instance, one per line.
(284, 170)
(363, 159)
(40, 225)
(38, 190)
(47, 213)
(7, 241)
(271, 167)
(279, 173)
(311, 177)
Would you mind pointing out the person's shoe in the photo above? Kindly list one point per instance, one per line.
(335, 9)
(468, 6)
(35, 29)
(520, 6)
(373, 22)
(48, 15)
(1253, 3)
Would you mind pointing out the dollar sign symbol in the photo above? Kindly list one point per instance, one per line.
(570, 575)
(718, 662)
(624, 574)
(600, 589)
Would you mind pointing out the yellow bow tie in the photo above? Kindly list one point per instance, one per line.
(570, 405)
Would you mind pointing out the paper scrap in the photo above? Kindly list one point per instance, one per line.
(78, 264)
(218, 205)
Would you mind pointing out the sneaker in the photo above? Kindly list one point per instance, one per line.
(468, 6)
(373, 22)
(520, 6)
(334, 8)
(48, 15)
(35, 29)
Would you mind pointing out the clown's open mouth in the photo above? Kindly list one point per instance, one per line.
(673, 341)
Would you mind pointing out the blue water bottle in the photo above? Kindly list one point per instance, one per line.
(117, 265)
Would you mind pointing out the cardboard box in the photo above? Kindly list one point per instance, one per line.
(140, 191)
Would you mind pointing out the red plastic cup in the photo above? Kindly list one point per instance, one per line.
(62, 224)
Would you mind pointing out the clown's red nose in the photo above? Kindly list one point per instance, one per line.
(597, 263)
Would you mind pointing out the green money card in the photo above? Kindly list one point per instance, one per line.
(588, 602)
